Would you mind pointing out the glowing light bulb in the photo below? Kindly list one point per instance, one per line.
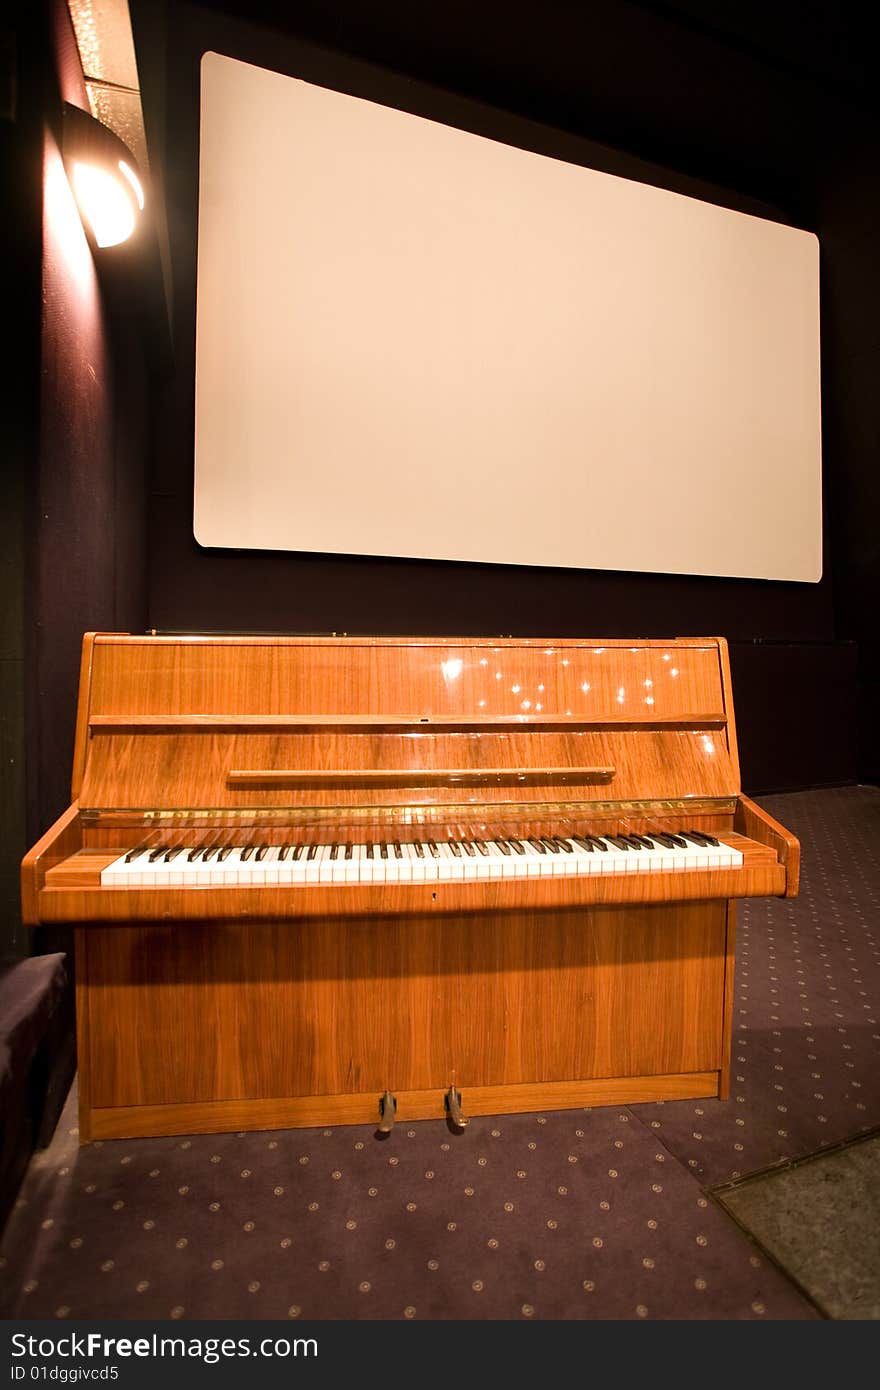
(104, 203)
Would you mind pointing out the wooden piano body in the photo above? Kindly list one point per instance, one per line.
(224, 1008)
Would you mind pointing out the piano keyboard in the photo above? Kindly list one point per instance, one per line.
(219, 866)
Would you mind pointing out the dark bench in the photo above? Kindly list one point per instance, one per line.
(36, 1062)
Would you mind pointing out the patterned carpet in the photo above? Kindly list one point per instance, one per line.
(599, 1214)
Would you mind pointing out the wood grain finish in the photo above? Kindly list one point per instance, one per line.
(165, 769)
(377, 724)
(416, 677)
(81, 733)
(210, 1008)
(451, 778)
(61, 841)
(752, 821)
(211, 1117)
(324, 1006)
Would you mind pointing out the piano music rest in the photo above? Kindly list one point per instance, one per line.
(310, 874)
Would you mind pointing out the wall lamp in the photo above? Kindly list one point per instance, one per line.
(104, 176)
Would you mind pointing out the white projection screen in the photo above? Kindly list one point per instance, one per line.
(416, 341)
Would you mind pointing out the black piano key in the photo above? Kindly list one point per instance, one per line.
(247, 852)
(283, 852)
(209, 853)
(349, 848)
(564, 845)
(334, 851)
(173, 853)
(661, 838)
(633, 841)
(455, 847)
(224, 853)
(517, 847)
(432, 846)
(157, 853)
(313, 852)
(262, 852)
(481, 846)
(698, 837)
(678, 842)
(618, 842)
(469, 849)
(398, 852)
(585, 843)
(194, 854)
(417, 846)
(133, 853)
(503, 846)
(536, 844)
(551, 845)
(383, 850)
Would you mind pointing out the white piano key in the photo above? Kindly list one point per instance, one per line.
(313, 863)
(327, 866)
(417, 863)
(496, 859)
(366, 863)
(402, 862)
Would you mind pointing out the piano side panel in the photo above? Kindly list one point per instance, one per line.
(331, 1007)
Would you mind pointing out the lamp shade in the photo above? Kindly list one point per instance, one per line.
(104, 176)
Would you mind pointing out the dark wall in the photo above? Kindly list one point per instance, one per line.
(20, 166)
(850, 223)
(75, 558)
(718, 122)
(87, 565)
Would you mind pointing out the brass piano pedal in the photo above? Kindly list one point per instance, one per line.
(455, 1115)
(387, 1113)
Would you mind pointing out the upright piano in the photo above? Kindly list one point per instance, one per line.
(334, 880)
